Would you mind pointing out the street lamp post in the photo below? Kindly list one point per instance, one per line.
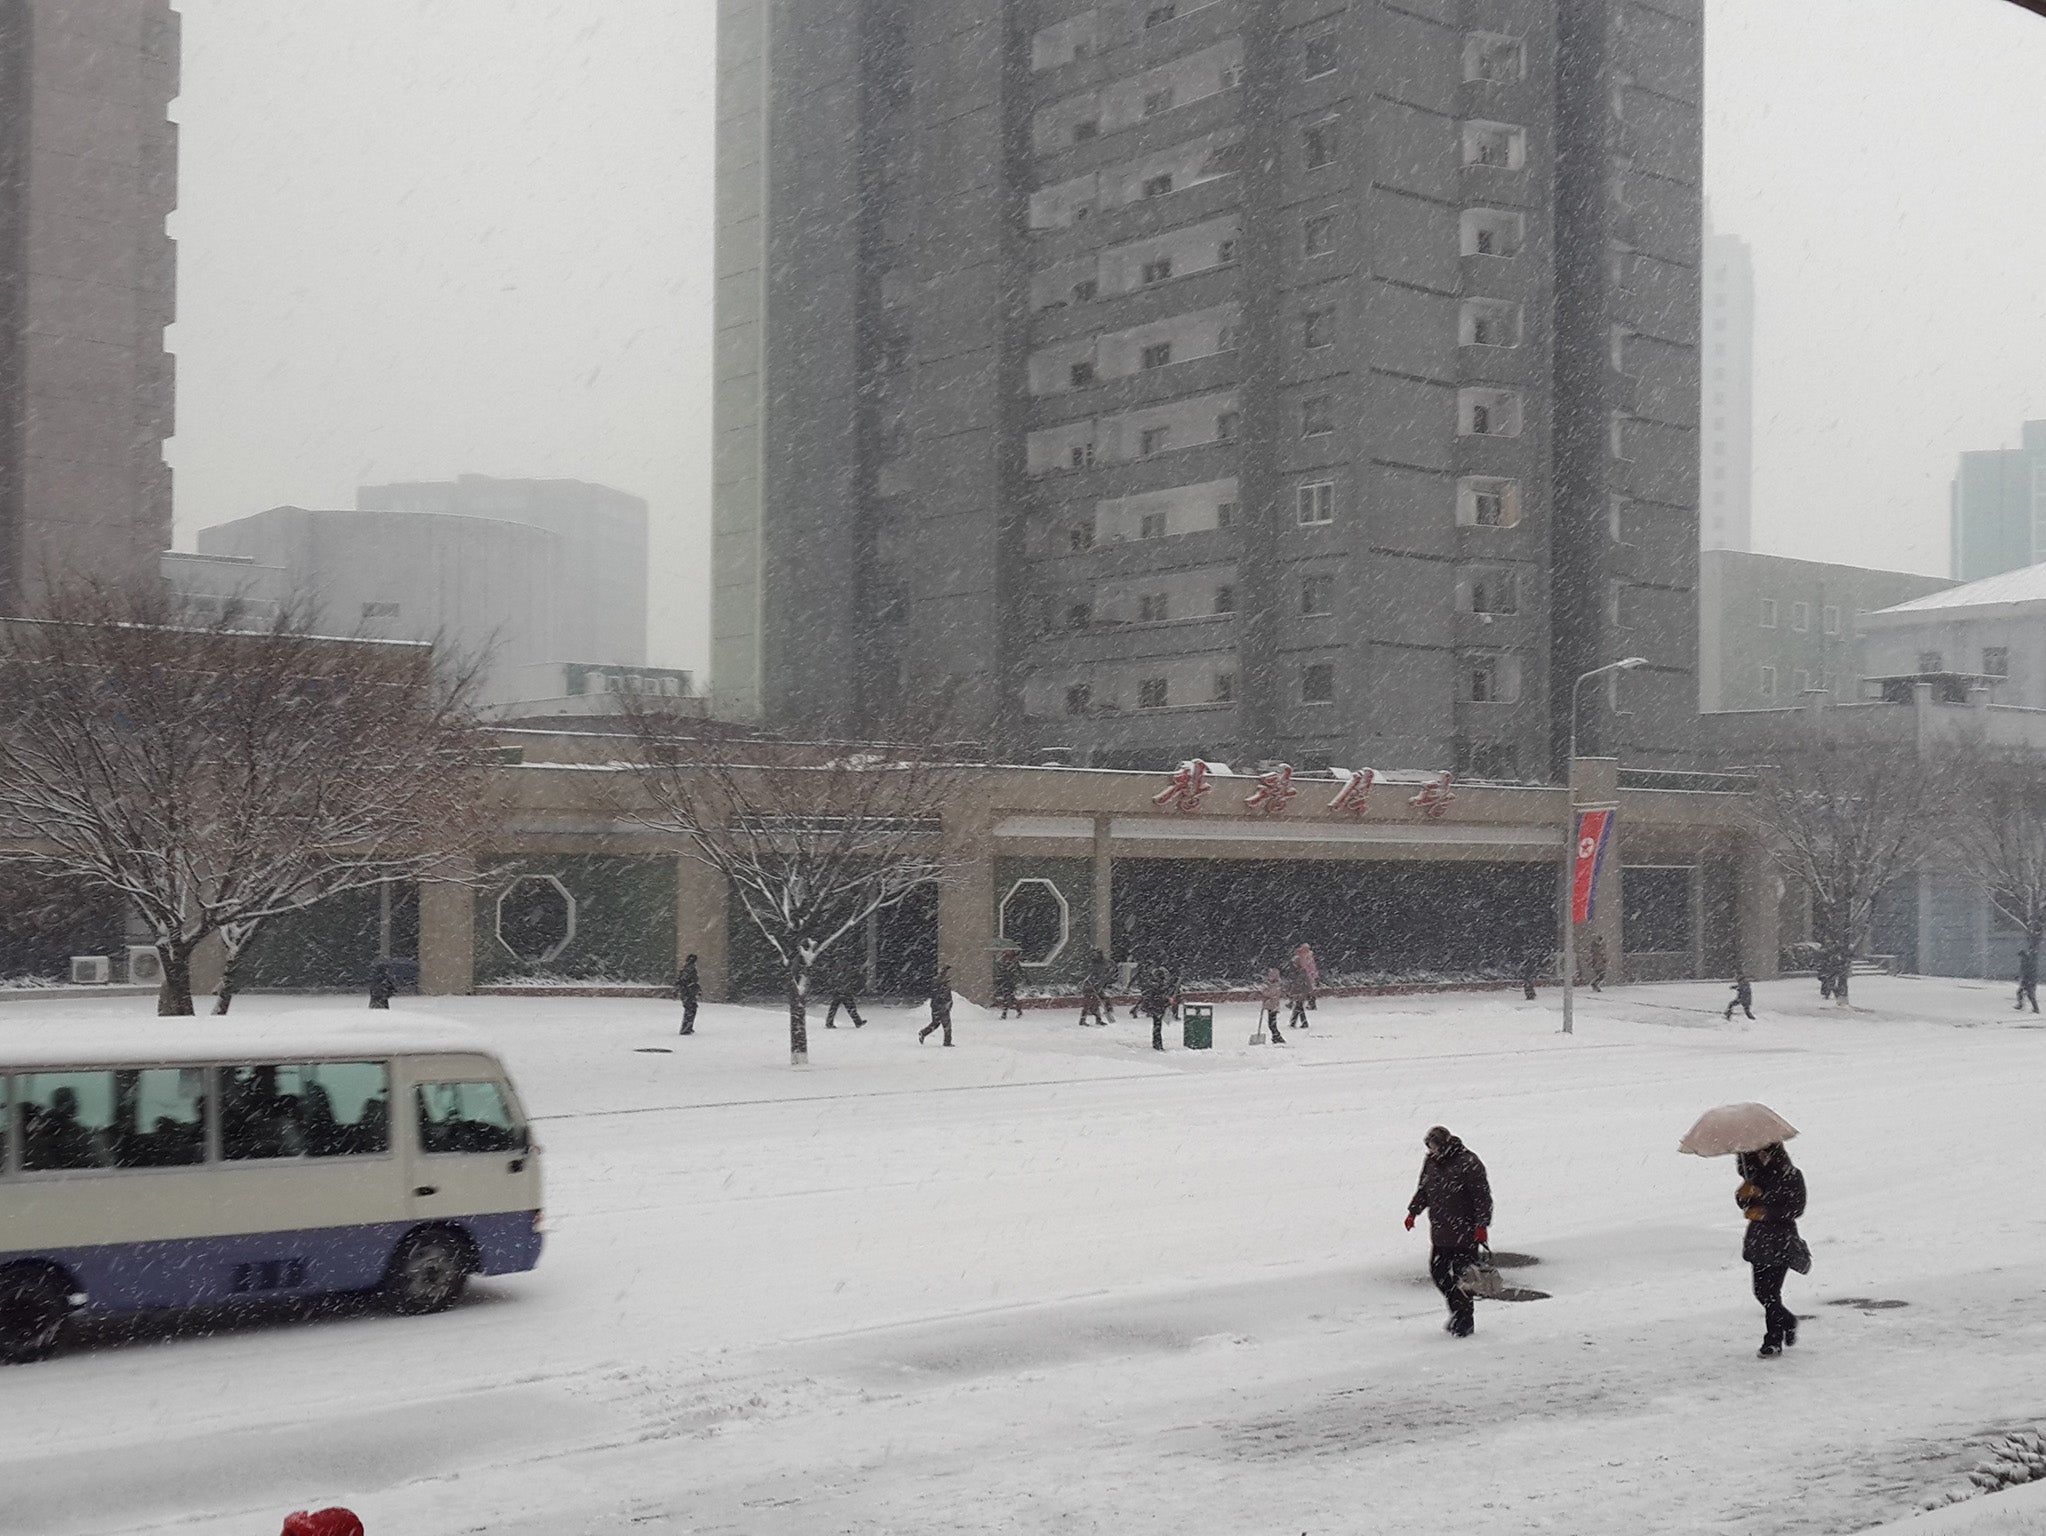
(1570, 842)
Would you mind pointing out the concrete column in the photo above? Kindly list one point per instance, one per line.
(1104, 890)
(702, 912)
(1758, 904)
(447, 938)
(966, 902)
(1596, 781)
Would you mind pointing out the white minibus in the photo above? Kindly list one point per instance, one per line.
(186, 1162)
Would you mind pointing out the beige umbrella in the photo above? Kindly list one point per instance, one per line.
(1736, 1128)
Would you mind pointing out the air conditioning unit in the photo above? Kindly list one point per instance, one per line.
(145, 966)
(91, 970)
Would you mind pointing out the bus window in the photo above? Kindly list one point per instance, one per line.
(319, 1109)
(160, 1115)
(67, 1120)
(466, 1117)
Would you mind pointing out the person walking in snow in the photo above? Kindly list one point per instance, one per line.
(2028, 979)
(1772, 1195)
(1172, 987)
(1094, 988)
(1269, 997)
(1530, 969)
(1298, 991)
(381, 984)
(1154, 997)
(689, 990)
(1743, 996)
(1457, 1195)
(323, 1522)
(1595, 963)
(1303, 956)
(1008, 982)
(842, 990)
(941, 1006)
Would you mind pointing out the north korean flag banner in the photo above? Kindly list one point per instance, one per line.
(1594, 829)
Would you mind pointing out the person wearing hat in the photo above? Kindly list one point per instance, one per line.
(323, 1522)
(1772, 1197)
(1457, 1196)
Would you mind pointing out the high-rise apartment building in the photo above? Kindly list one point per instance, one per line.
(1999, 507)
(1727, 395)
(1241, 378)
(88, 175)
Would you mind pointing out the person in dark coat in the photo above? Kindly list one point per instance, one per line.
(1094, 988)
(689, 991)
(381, 984)
(1008, 982)
(1743, 996)
(842, 990)
(1299, 990)
(1530, 969)
(941, 1006)
(1772, 1194)
(1457, 1196)
(2028, 979)
(1595, 963)
(1154, 997)
(1172, 987)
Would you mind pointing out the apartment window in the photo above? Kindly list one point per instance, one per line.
(1320, 143)
(1157, 355)
(1082, 455)
(1159, 185)
(1494, 57)
(1800, 617)
(1152, 693)
(1158, 15)
(1318, 683)
(1316, 595)
(1085, 290)
(1996, 661)
(1494, 592)
(1158, 101)
(1225, 599)
(1151, 525)
(1079, 699)
(1491, 232)
(1488, 413)
(1080, 537)
(1768, 616)
(1481, 680)
(1318, 235)
(1932, 661)
(1317, 415)
(1225, 514)
(1488, 323)
(1485, 502)
(1157, 271)
(1225, 253)
(1078, 616)
(1087, 128)
(1081, 374)
(1499, 146)
(1315, 503)
(1318, 328)
(1153, 608)
(1225, 687)
(1319, 58)
(1154, 440)
(1831, 617)
(1768, 682)
(1228, 426)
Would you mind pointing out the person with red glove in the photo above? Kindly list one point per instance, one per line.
(324, 1522)
(1457, 1195)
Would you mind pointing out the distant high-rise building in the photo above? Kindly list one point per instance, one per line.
(1240, 379)
(1998, 507)
(1727, 397)
(88, 175)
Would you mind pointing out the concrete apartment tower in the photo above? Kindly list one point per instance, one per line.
(1999, 507)
(1241, 379)
(88, 175)
(1727, 395)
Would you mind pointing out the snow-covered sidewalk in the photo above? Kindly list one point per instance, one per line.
(1051, 1281)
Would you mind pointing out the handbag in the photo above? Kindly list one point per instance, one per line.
(1800, 1256)
(1482, 1278)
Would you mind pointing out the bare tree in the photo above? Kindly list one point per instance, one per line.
(215, 772)
(812, 839)
(1997, 823)
(1848, 819)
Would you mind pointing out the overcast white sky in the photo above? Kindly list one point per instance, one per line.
(418, 237)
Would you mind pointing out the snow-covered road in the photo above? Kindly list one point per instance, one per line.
(1049, 1281)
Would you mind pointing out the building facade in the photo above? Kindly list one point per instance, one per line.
(1726, 424)
(88, 175)
(1993, 630)
(1998, 507)
(1772, 629)
(1231, 379)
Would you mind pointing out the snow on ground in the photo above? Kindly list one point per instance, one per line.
(1050, 1281)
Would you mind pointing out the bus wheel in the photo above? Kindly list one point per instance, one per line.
(35, 1303)
(427, 1273)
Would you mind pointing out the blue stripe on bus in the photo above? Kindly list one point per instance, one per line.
(198, 1271)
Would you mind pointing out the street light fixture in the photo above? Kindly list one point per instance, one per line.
(1570, 842)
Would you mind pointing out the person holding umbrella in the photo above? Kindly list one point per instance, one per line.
(1457, 1196)
(1771, 1195)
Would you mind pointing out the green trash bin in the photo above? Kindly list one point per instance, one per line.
(1199, 1021)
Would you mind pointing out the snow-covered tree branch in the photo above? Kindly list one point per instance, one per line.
(1998, 833)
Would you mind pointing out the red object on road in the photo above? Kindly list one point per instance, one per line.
(324, 1522)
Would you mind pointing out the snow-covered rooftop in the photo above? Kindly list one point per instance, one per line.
(307, 1035)
(2025, 585)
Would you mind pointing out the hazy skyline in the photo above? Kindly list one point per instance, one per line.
(422, 237)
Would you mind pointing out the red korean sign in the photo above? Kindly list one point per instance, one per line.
(1594, 831)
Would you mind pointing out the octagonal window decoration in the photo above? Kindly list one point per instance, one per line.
(1036, 921)
(535, 918)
